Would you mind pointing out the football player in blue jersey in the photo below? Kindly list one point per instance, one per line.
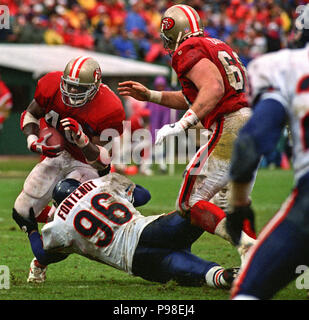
(279, 85)
(111, 231)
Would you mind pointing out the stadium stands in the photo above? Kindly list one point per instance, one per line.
(130, 28)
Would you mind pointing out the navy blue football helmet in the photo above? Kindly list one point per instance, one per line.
(63, 189)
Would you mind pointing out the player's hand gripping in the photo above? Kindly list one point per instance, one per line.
(235, 221)
(134, 89)
(26, 224)
(39, 145)
(77, 134)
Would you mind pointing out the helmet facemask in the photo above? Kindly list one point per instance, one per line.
(169, 45)
(76, 95)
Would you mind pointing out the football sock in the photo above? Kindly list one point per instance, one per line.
(214, 278)
(42, 217)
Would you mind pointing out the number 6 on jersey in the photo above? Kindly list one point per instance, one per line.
(234, 69)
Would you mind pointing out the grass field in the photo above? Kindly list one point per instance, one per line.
(79, 278)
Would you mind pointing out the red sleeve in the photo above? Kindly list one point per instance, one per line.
(47, 87)
(115, 121)
(187, 55)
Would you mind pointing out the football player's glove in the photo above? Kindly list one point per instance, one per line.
(26, 224)
(188, 120)
(78, 136)
(172, 129)
(40, 146)
(235, 222)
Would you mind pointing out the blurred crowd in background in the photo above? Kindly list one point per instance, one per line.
(130, 28)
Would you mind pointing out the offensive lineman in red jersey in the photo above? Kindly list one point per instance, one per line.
(81, 107)
(213, 82)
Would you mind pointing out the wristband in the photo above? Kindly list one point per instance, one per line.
(26, 118)
(189, 119)
(155, 96)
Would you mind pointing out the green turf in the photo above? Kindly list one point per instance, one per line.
(79, 278)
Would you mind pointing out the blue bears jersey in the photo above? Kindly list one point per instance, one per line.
(284, 76)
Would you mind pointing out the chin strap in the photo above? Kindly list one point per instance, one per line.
(178, 40)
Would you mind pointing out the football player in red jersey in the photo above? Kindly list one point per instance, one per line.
(80, 107)
(213, 82)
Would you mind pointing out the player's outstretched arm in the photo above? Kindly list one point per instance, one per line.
(134, 89)
(170, 99)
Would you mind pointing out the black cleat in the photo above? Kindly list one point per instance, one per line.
(230, 274)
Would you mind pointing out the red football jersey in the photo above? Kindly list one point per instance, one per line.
(104, 111)
(233, 73)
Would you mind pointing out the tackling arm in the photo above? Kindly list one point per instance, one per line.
(30, 226)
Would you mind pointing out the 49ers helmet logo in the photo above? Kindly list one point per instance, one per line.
(167, 23)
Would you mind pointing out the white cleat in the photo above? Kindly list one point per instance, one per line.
(243, 252)
(36, 274)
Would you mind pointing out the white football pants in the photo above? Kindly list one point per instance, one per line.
(39, 185)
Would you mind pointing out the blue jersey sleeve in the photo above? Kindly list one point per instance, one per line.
(265, 125)
(258, 137)
(44, 257)
(141, 196)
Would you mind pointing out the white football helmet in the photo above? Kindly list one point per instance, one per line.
(179, 23)
(80, 81)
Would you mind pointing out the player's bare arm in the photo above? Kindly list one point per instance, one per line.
(208, 80)
(96, 154)
(171, 99)
(31, 118)
(30, 125)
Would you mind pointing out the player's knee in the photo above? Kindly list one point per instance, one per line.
(22, 206)
(23, 203)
